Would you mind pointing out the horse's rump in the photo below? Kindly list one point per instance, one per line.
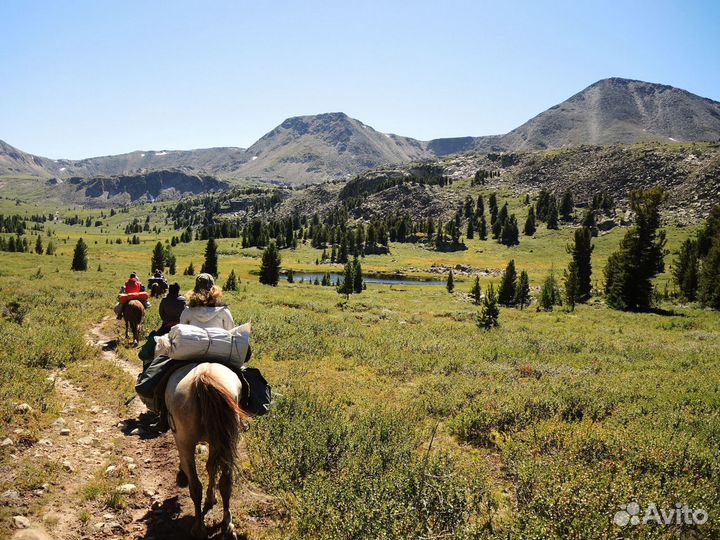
(134, 311)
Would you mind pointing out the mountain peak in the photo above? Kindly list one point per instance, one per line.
(618, 110)
(302, 123)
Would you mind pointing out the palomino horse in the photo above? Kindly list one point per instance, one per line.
(133, 313)
(202, 403)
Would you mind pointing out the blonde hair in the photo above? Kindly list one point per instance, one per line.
(206, 297)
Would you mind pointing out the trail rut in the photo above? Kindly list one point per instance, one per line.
(99, 446)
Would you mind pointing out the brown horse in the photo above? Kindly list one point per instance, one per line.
(133, 314)
(202, 402)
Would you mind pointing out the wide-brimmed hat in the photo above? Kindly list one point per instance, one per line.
(204, 282)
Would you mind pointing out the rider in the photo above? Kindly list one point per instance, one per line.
(205, 306)
(158, 278)
(205, 309)
(133, 285)
(170, 309)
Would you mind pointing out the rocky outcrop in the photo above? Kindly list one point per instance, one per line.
(146, 187)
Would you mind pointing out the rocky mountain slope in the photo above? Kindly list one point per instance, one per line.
(324, 147)
(311, 149)
(617, 110)
(125, 189)
(689, 172)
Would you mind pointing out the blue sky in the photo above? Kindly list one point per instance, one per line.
(87, 78)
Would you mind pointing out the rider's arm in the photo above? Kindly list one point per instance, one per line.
(228, 322)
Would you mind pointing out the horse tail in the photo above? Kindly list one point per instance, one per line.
(223, 421)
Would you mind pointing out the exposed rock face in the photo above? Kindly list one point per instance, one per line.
(415, 200)
(144, 187)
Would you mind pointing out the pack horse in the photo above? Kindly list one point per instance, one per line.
(202, 403)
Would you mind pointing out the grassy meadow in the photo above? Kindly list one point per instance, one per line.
(395, 415)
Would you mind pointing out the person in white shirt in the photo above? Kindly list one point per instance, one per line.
(205, 306)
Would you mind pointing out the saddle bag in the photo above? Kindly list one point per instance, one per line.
(256, 392)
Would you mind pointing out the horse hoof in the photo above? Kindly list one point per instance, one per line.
(229, 532)
(181, 479)
(199, 530)
(210, 501)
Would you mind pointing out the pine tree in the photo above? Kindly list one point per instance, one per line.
(190, 270)
(709, 287)
(530, 227)
(346, 287)
(476, 291)
(38, 245)
(270, 266)
(542, 204)
(508, 285)
(549, 293)
(482, 227)
(80, 259)
(566, 206)
(357, 277)
(630, 270)
(522, 292)
(709, 232)
(500, 222)
(210, 266)
(290, 276)
(50, 249)
(580, 271)
(572, 281)
(232, 282)
(552, 214)
(510, 235)
(470, 234)
(450, 284)
(686, 270)
(157, 261)
(589, 221)
(489, 315)
(492, 204)
(480, 206)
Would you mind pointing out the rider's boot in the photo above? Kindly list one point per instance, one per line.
(162, 424)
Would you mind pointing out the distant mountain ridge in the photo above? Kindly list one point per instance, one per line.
(331, 146)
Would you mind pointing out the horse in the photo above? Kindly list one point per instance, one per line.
(158, 289)
(202, 404)
(133, 314)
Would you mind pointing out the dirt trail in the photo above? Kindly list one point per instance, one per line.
(96, 445)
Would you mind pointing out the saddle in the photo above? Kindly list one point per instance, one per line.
(255, 396)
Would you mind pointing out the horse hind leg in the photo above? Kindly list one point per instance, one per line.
(210, 497)
(226, 483)
(187, 464)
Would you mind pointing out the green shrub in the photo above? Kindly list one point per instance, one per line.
(361, 477)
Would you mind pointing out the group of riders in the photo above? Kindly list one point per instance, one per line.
(203, 307)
